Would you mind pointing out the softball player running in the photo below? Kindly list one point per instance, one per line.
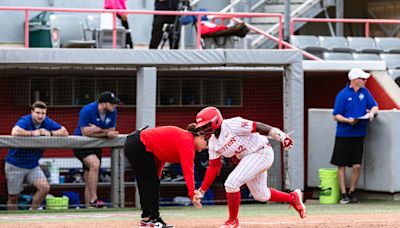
(147, 151)
(247, 141)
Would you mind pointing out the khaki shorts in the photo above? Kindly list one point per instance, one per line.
(16, 177)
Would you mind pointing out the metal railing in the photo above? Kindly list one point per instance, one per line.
(367, 22)
(281, 43)
(197, 14)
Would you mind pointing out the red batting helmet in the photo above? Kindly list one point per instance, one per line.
(209, 115)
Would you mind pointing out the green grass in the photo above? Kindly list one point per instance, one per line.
(221, 211)
(313, 208)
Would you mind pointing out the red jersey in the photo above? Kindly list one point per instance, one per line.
(174, 145)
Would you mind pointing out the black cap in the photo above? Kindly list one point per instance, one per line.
(108, 96)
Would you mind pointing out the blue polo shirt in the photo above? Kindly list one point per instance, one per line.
(89, 114)
(353, 104)
(29, 158)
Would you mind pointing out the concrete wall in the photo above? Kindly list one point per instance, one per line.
(382, 150)
(13, 30)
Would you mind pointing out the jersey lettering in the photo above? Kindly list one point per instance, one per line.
(226, 146)
(245, 124)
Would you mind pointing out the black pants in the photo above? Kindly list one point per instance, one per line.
(128, 34)
(83, 153)
(145, 170)
(157, 31)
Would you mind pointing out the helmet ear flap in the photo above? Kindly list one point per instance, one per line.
(217, 122)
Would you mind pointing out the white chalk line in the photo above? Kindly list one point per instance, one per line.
(322, 222)
(73, 216)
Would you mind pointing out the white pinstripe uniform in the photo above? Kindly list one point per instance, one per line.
(255, 154)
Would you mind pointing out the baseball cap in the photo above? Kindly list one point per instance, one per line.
(108, 96)
(358, 73)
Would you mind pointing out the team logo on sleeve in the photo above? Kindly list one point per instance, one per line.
(245, 124)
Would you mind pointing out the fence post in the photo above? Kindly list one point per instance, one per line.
(117, 177)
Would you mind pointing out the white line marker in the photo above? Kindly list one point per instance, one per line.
(322, 221)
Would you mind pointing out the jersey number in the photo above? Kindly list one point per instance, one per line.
(240, 149)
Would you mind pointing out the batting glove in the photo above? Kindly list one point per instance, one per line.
(287, 143)
(285, 139)
(199, 193)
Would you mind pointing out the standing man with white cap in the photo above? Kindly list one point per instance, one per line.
(354, 108)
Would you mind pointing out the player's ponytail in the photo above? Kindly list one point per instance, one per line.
(192, 129)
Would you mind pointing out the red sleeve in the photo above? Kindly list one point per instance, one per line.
(254, 127)
(187, 164)
(213, 170)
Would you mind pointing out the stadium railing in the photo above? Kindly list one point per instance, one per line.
(365, 21)
(197, 14)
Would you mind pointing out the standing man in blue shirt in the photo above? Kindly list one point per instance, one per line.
(23, 164)
(354, 107)
(97, 119)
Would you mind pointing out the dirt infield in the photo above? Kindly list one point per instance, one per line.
(370, 221)
(369, 215)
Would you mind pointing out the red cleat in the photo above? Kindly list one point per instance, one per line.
(231, 223)
(297, 203)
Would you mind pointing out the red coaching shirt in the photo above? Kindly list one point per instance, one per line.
(174, 145)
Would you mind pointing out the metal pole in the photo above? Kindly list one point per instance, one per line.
(339, 14)
(114, 31)
(121, 166)
(115, 179)
(26, 32)
(198, 37)
(329, 23)
(287, 20)
(247, 6)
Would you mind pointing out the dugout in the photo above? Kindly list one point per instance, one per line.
(271, 89)
(323, 80)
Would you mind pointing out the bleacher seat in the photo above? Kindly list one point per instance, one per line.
(337, 56)
(392, 60)
(309, 44)
(366, 56)
(388, 44)
(103, 36)
(68, 32)
(394, 74)
(363, 44)
(335, 43)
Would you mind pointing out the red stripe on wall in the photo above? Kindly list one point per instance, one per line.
(381, 96)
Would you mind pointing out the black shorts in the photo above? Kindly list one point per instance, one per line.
(83, 153)
(348, 151)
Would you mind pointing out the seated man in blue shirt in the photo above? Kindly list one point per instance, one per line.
(97, 119)
(23, 164)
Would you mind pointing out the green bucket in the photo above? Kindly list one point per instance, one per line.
(329, 191)
(57, 203)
